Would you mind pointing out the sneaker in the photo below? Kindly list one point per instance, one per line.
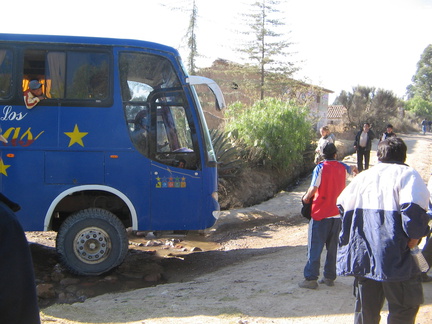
(327, 282)
(309, 284)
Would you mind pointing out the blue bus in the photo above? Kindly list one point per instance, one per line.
(100, 135)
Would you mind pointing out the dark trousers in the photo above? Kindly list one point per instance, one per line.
(404, 299)
(18, 299)
(362, 152)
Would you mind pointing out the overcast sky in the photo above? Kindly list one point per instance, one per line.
(340, 43)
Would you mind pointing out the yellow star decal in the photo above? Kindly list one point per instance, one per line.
(76, 136)
(3, 167)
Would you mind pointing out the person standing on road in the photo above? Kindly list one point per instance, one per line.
(383, 216)
(326, 137)
(363, 145)
(424, 125)
(18, 300)
(328, 181)
(388, 133)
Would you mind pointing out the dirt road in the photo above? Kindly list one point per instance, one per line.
(252, 279)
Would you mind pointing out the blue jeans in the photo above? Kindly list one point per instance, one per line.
(324, 232)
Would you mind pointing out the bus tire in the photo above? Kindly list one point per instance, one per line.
(91, 242)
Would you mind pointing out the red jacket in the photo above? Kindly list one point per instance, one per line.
(330, 178)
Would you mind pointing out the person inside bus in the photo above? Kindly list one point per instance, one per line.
(33, 95)
(140, 133)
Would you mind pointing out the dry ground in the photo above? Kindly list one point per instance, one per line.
(267, 248)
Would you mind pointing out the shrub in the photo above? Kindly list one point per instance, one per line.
(420, 107)
(227, 154)
(274, 132)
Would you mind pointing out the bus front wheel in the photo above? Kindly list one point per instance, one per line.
(91, 242)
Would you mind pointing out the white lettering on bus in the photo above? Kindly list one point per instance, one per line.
(9, 114)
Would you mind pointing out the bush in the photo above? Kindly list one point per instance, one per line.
(273, 132)
(227, 154)
(420, 107)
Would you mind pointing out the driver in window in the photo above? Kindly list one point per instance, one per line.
(33, 95)
(140, 132)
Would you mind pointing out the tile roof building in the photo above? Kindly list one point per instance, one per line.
(336, 114)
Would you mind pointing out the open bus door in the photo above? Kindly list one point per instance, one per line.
(176, 175)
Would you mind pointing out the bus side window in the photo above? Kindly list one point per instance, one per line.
(48, 68)
(56, 75)
(87, 75)
(34, 69)
(76, 75)
(5, 73)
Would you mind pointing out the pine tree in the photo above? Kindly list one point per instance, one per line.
(268, 50)
(191, 38)
(191, 8)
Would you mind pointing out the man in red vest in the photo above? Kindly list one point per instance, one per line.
(328, 181)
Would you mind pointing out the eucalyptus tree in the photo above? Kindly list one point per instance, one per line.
(421, 85)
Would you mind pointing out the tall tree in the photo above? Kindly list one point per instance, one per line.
(357, 103)
(268, 48)
(191, 38)
(421, 85)
(190, 7)
(367, 104)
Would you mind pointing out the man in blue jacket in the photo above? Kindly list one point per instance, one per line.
(384, 215)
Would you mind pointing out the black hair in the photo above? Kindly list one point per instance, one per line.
(329, 151)
(392, 149)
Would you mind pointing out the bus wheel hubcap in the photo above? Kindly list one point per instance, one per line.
(92, 245)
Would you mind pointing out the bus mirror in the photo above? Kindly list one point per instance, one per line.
(213, 86)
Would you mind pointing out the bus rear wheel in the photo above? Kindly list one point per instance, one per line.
(91, 242)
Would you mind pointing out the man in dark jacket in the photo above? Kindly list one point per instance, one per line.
(362, 145)
(384, 216)
(18, 300)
